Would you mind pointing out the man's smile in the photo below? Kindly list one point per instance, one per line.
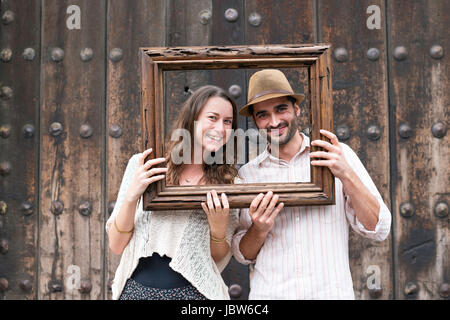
(279, 130)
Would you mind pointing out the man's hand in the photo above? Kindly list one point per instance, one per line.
(362, 201)
(333, 158)
(263, 211)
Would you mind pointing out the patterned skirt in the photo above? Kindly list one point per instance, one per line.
(133, 290)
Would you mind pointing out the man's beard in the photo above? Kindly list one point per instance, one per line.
(292, 127)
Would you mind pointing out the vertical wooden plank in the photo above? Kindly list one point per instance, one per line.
(130, 25)
(287, 22)
(361, 119)
(189, 23)
(262, 25)
(229, 29)
(229, 23)
(71, 223)
(419, 99)
(19, 145)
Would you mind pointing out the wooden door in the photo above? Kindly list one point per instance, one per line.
(69, 122)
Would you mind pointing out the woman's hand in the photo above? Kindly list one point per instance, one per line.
(218, 214)
(145, 175)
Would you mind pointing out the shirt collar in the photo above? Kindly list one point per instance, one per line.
(267, 155)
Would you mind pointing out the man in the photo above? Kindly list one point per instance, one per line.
(301, 252)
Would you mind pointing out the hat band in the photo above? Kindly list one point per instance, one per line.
(256, 96)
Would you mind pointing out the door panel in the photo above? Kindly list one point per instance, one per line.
(361, 121)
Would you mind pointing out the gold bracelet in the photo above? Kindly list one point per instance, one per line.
(216, 240)
(120, 231)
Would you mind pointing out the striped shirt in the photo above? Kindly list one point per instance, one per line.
(305, 255)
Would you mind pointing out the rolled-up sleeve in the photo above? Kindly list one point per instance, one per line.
(126, 180)
(383, 226)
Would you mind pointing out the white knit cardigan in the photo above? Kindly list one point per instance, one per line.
(183, 236)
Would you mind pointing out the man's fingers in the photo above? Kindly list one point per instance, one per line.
(271, 205)
(324, 144)
(263, 205)
(275, 212)
(255, 203)
(333, 138)
(322, 154)
(322, 163)
(265, 201)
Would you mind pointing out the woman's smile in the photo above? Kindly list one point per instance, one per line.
(216, 138)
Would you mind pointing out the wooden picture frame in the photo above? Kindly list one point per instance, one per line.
(154, 61)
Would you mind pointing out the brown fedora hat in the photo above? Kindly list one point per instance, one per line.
(267, 84)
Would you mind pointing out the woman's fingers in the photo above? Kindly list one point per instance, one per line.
(154, 171)
(145, 155)
(154, 179)
(216, 202)
(217, 213)
(225, 203)
(152, 162)
(205, 208)
(209, 201)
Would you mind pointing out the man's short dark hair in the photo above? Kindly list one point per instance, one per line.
(290, 98)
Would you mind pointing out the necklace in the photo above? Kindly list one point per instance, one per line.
(191, 176)
(192, 180)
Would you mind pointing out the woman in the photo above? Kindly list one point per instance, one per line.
(178, 255)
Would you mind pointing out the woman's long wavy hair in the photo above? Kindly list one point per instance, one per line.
(215, 173)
